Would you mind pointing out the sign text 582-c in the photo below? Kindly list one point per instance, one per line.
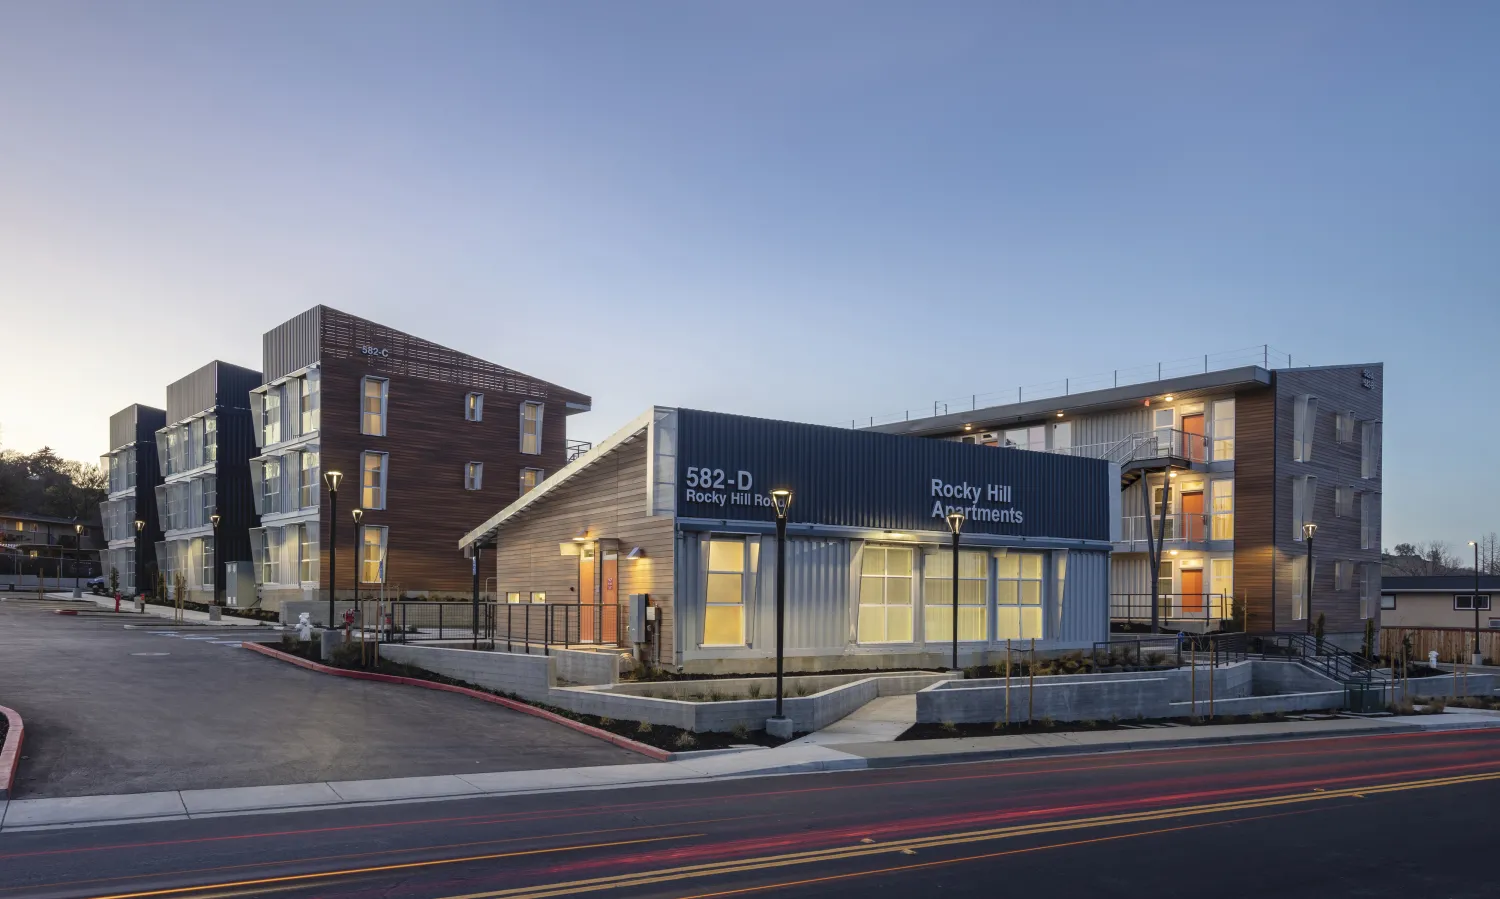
(374, 351)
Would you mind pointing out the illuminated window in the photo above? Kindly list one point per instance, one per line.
(371, 554)
(270, 496)
(1222, 493)
(1018, 596)
(530, 477)
(513, 598)
(206, 551)
(473, 475)
(531, 428)
(724, 606)
(372, 480)
(937, 597)
(271, 417)
(539, 598)
(210, 439)
(885, 595)
(474, 407)
(308, 560)
(375, 396)
(307, 495)
(1223, 430)
(308, 387)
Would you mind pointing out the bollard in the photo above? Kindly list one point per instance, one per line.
(1007, 682)
(117, 600)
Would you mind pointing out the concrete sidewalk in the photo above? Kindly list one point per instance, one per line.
(793, 758)
(188, 615)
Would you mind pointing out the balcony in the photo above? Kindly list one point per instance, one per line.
(576, 448)
(1182, 530)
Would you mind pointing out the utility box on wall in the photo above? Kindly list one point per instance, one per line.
(239, 585)
(635, 618)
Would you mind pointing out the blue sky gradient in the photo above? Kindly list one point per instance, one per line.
(813, 211)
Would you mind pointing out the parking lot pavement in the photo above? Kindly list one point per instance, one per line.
(111, 709)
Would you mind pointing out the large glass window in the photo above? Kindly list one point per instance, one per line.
(270, 496)
(1304, 500)
(1304, 423)
(1163, 421)
(307, 386)
(724, 607)
(1018, 596)
(1033, 438)
(307, 485)
(210, 502)
(1368, 521)
(1299, 587)
(1165, 529)
(210, 440)
(973, 599)
(474, 407)
(530, 477)
(373, 468)
(1223, 430)
(308, 559)
(375, 396)
(207, 553)
(271, 417)
(195, 443)
(1221, 492)
(885, 595)
(1221, 581)
(372, 554)
(473, 475)
(531, 428)
(1166, 580)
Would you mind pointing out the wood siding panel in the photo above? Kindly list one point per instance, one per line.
(608, 501)
(1254, 476)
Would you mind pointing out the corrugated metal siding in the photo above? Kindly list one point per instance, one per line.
(134, 423)
(1110, 427)
(291, 345)
(187, 396)
(817, 592)
(1129, 573)
(236, 506)
(234, 385)
(1084, 616)
(881, 481)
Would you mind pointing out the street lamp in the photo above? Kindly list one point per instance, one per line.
(781, 500)
(1478, 659)
(1308, 530)
(955, 524)
(135, 569)
(358, 514)
(77, 557)
(214, 519)
(332, 479)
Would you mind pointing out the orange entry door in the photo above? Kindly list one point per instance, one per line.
(1195, 449)
(1191, 582)
(609, 609)
(1192, 518)
(582, 630)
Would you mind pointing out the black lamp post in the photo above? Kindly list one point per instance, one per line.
(214, 519)
(358, 515)
(1308, 530)
(781, 499)
(332, 479)
(136, 569)
(1478, 659)
(955, 524)
(78, 557)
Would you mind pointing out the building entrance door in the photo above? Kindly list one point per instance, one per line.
(1191, 581)
(1192, 516)
(1195, 447)
(588, 596)
(609, 605)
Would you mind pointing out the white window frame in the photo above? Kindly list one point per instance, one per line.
(1468, 604)
(385, 471)
(1304, 427)
(884, 577)
(308, 479)
(536, 447)
(271, 417)
(307, 552)
(473, 475)
(365, 561)
(937, 595)
(743, 573)
(1304, 503)
(381, 418)
(270, 499)
(1021, 605)
(1343, 501)
(1222, 428)
(474, 407)
(1221, 520)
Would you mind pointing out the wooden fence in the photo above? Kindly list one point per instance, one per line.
(1453, 644)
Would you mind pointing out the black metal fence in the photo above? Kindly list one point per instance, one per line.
(515, 627)
(1212, 610)
(415, 622)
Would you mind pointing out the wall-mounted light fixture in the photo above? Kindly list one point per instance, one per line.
(1168, 398)
(636, 553)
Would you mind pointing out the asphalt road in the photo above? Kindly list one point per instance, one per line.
(1384, 816)
(116, 710)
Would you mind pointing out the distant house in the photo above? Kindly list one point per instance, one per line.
(1444, 600)
(28, 541)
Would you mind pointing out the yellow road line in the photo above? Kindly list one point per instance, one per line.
(647, 878)
(376, 869)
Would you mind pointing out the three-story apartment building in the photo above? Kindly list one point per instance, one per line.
(203, 457)
(133, 472)
(426, 440)
(1221, 473)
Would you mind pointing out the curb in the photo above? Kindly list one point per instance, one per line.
(660, 755)
(10, 752)
(988, 755)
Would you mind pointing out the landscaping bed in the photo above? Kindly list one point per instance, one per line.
(257, 614)
(1047, 726)
(659, 736)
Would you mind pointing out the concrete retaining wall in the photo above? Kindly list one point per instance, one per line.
(1445, 686)
(530, 677)
(577, 666)
(1264, 705)
(896, 683)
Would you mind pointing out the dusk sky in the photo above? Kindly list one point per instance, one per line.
(818, 211)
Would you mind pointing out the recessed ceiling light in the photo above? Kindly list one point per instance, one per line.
(1169, 398)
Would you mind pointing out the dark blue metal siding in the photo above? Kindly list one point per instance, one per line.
(232, 474)
(882, 481)
(291, 345)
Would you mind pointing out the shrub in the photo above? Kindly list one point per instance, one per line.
(605, 722)
(1114, 719)
(740, 731)
(1047, 721)
(1089, 723)
(755, 691)
(643, 727)
(716, 696)
(1257, 716)
(802, 690)
(949, 727)
(345, 655)
(1155, 658)
(685, 740)
(999, 725)
(1435, 706)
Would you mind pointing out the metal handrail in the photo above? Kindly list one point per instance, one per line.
(1321, 655)
(1211, 608)
(1188, 527)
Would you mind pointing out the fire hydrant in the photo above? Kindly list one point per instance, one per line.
(117, 600)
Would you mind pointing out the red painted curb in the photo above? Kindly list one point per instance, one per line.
(661, 755)
(10, 753)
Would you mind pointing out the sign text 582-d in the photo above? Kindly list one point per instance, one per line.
(716, 479)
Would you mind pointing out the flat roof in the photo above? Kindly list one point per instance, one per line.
(1437, 583)
(989, 417)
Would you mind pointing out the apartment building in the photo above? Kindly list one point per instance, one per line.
(128, 514)
(423, 440)
(203, 457)
(1223, 475)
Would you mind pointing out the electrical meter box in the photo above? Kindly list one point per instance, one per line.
(635, 618)
(239, 585)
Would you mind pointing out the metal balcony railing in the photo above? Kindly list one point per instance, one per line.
(1210, 608)
(1178, 527)
(1163, 443)
(576, 448)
